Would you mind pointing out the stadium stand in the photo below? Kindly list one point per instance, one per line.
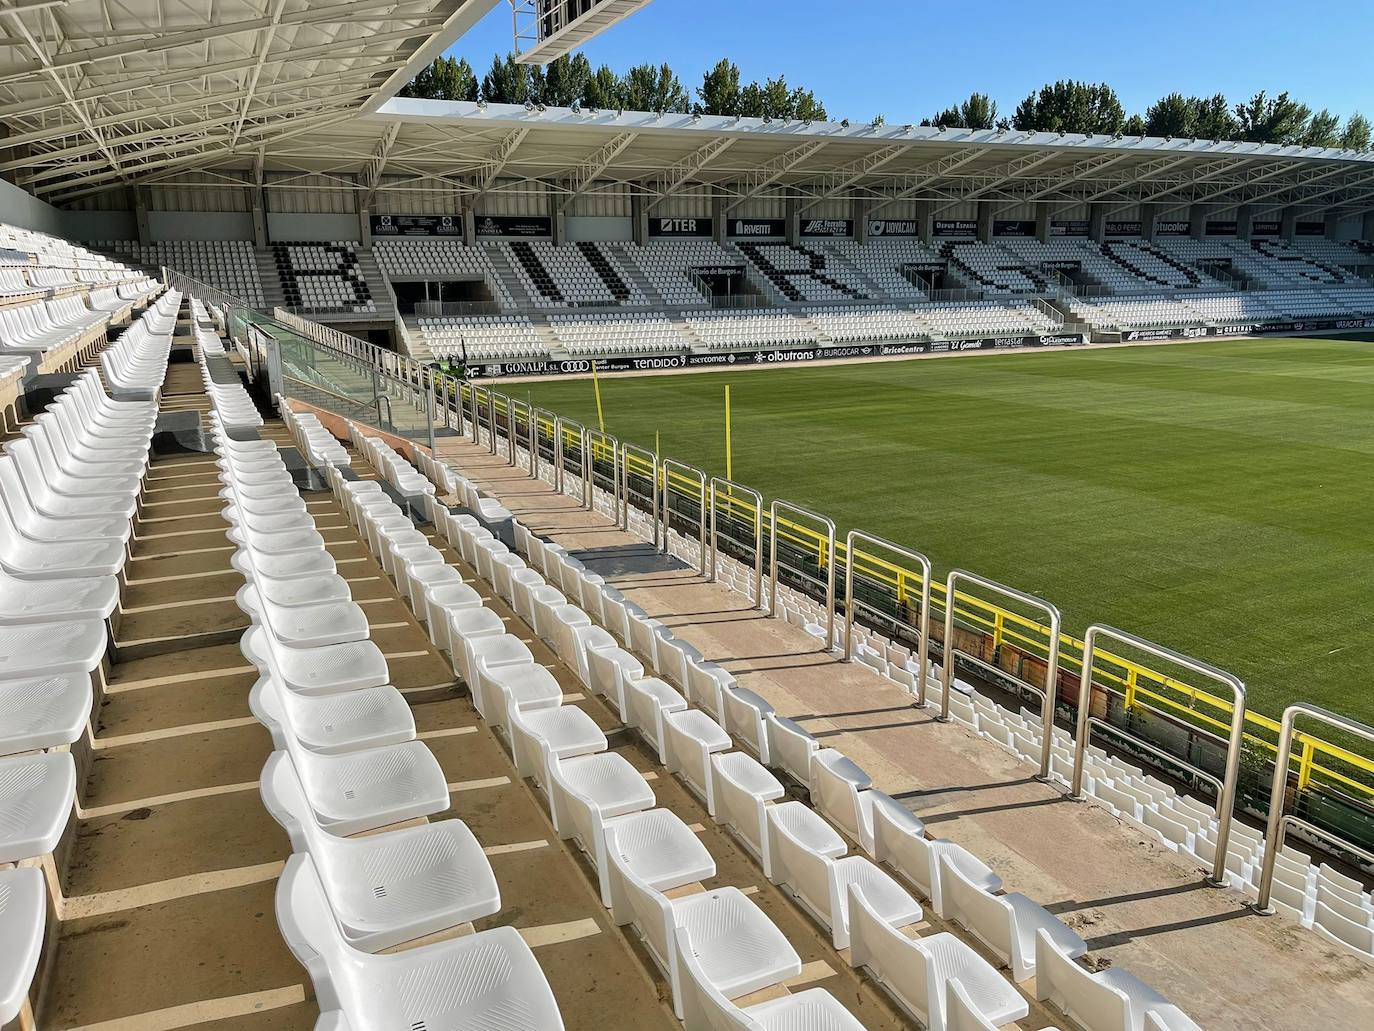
(228, 265)
(668, 265)
(618, 334)
(801, 273)
(485, 337)
(323, 277)
(763, 327)
(883, 260)
(441, 259)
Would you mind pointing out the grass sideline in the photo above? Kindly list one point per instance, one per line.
(1214, 497)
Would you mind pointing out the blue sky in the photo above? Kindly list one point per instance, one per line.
(906, 59)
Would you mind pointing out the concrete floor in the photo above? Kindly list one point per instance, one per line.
(1137, 905)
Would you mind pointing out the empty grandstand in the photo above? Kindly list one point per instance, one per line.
(345, 686)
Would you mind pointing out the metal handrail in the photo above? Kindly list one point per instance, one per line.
(1279, 823)
(1226, 797)
(829, 561)
(923, 631)
(624, 493)
(717, 482)
(665, 467)
(1048, 692)
(593, 439)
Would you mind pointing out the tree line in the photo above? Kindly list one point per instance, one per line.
(1067, 106)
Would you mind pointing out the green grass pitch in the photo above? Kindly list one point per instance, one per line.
(1213, 497)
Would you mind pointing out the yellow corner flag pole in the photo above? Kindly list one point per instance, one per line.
(729, 451)
(596, 384)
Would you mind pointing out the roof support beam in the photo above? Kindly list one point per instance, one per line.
(51, 72)
(835, 183)
(372, 175)
(360, 12)
(761, 178)
(999, 177)
(684, 171)
(500, 157)
(930, 173)
(597, 163)
(114, 86)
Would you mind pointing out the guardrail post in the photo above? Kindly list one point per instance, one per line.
(1051, 687)
(829, 566)
(923, 631)
(1226, 792)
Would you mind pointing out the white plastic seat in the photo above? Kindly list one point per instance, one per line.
(490, 979)
(648, 702)
(915, 971)
(43, 712)
(790, 747)
(705, 1008)
(576, 641)
(39, 649)
(563, 731)
(704, 683)
(36, 795)
(836, 782)
(385, 889)
(1109, 1000)
(313, 671)
(333, 724)
(57, 599)
(691, 739)
(903, 845)
(743, 714)
(743, 790)
(585, 792)
(316, 625)
(371, 788)
(484, 654)
(521, 687)
(23, 917)
(812, 866)
(443, 598)
(610, 670)
(1006, 924)
(739, 949)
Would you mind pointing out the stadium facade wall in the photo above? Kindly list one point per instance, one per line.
(291, 225)
(23, 209)
(597, 227)
(601, 205)
(110, 225)
(203, 225)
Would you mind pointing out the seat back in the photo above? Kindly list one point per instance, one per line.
(634, 901)
(704, 681)
(903, 849)
(986, 916)
(790, 747)
(835, 788)
(960, 1012)
(644, 637)
(704, 1007)
(742, 714)
(897, 962)
(308, 926)
(1080, 994)
(806, 872)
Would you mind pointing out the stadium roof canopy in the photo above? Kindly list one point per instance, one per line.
(102, 94)
(110, 91)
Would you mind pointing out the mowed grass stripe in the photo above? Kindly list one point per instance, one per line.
(1214, 496)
